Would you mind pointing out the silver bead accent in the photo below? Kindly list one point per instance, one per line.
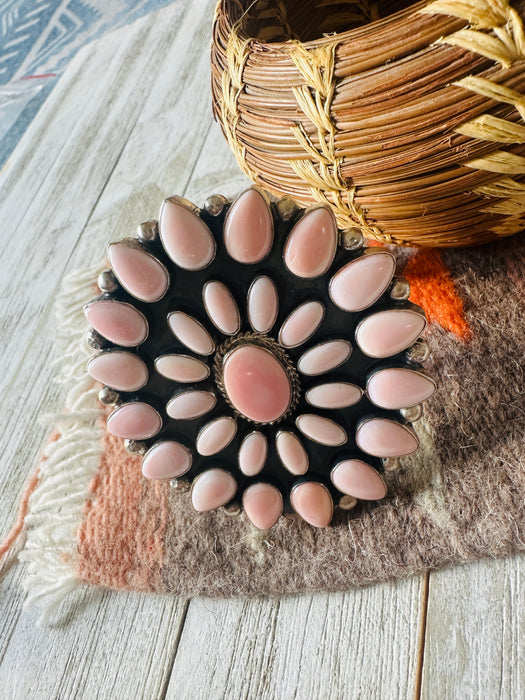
(136, 447)
(107, 282)
(95, 340)
(215, 204)
(148, 230)
(413, 413)
(390, 464)
(347, 502)
(108, 396)
(180, 485)
(400, 289)
(352, 238)
(233, 509)
(419, 352)
(286, 208)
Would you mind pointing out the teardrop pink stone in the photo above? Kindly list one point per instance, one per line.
(221, 307)
(135, 421)
(190, 404)
(140, 273)
(312, 501)
(256, 383)
(248, 229)
(292, 453)
(263, 304)
(252, 453)
(191, 333)
(182, 368)
(301, 324)
(321, 430)
(357, 478)
(119, 370)
(334, 395)
(324, 357)
(263, 504)
(212, 489)
(361, 282)
(117, 321)
(382, 437)
(311, 246)
(166, 460)
(399, 388)
(215, 436)
(185, 237)
(388, 332)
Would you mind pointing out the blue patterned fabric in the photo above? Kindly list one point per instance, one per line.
(37, 40)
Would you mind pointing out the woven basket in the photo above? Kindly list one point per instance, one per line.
(408, 119)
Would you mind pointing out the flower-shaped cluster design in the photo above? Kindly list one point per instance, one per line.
(256, 351)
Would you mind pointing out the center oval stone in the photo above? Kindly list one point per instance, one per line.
(256, 383)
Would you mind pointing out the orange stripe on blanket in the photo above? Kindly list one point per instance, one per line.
(432, 288)
(120, 540)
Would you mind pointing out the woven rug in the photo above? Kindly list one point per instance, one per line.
(94, 519)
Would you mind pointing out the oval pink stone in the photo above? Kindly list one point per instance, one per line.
(256, 383)
(389, 332)
(253, 453)
(191, 333)
(399, 388)
(321, 430)
(140, 273)
(119, 370)
(212, 489)
(185, 237)
(216, 435)
(334, 395)
(248, 229)
(301, 324)
(182, 368)
(166, 460)
(357, 478)
(361, 282)
(119, 322)
(263, 304)
(136, 421)
(190, 404)
(311, 246)
(383, 437)
(291, 453)
(312, 501)
(221, 307)
(263, 504)
(324, 357)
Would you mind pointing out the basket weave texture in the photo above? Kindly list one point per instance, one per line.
(408, 119)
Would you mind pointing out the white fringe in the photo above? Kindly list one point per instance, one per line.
(57, 505)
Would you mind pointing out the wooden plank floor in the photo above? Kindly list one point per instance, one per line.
(129, 123)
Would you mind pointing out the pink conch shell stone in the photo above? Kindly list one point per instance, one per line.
(140, 273)
(291, 453)
(119, 370)
(324, 357)
(191, 333)
(361, 282)
(185, 237)
(117, 321)
(212, 489)
(389, 332)
(253, 453)
(301, 324)
(321, 430)
(263, 504)
(248, 229)
(383, 437)
(190, 404)
(310, 248)
(312, 501)
(357, 478)
(136, 421)
(334, 395)
(256, 383)
(216, 435)
(263, 304)
(166, 460)
(221, 307)
(182, 368)
(399, 388)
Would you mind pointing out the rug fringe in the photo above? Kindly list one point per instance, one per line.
(69, 462)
